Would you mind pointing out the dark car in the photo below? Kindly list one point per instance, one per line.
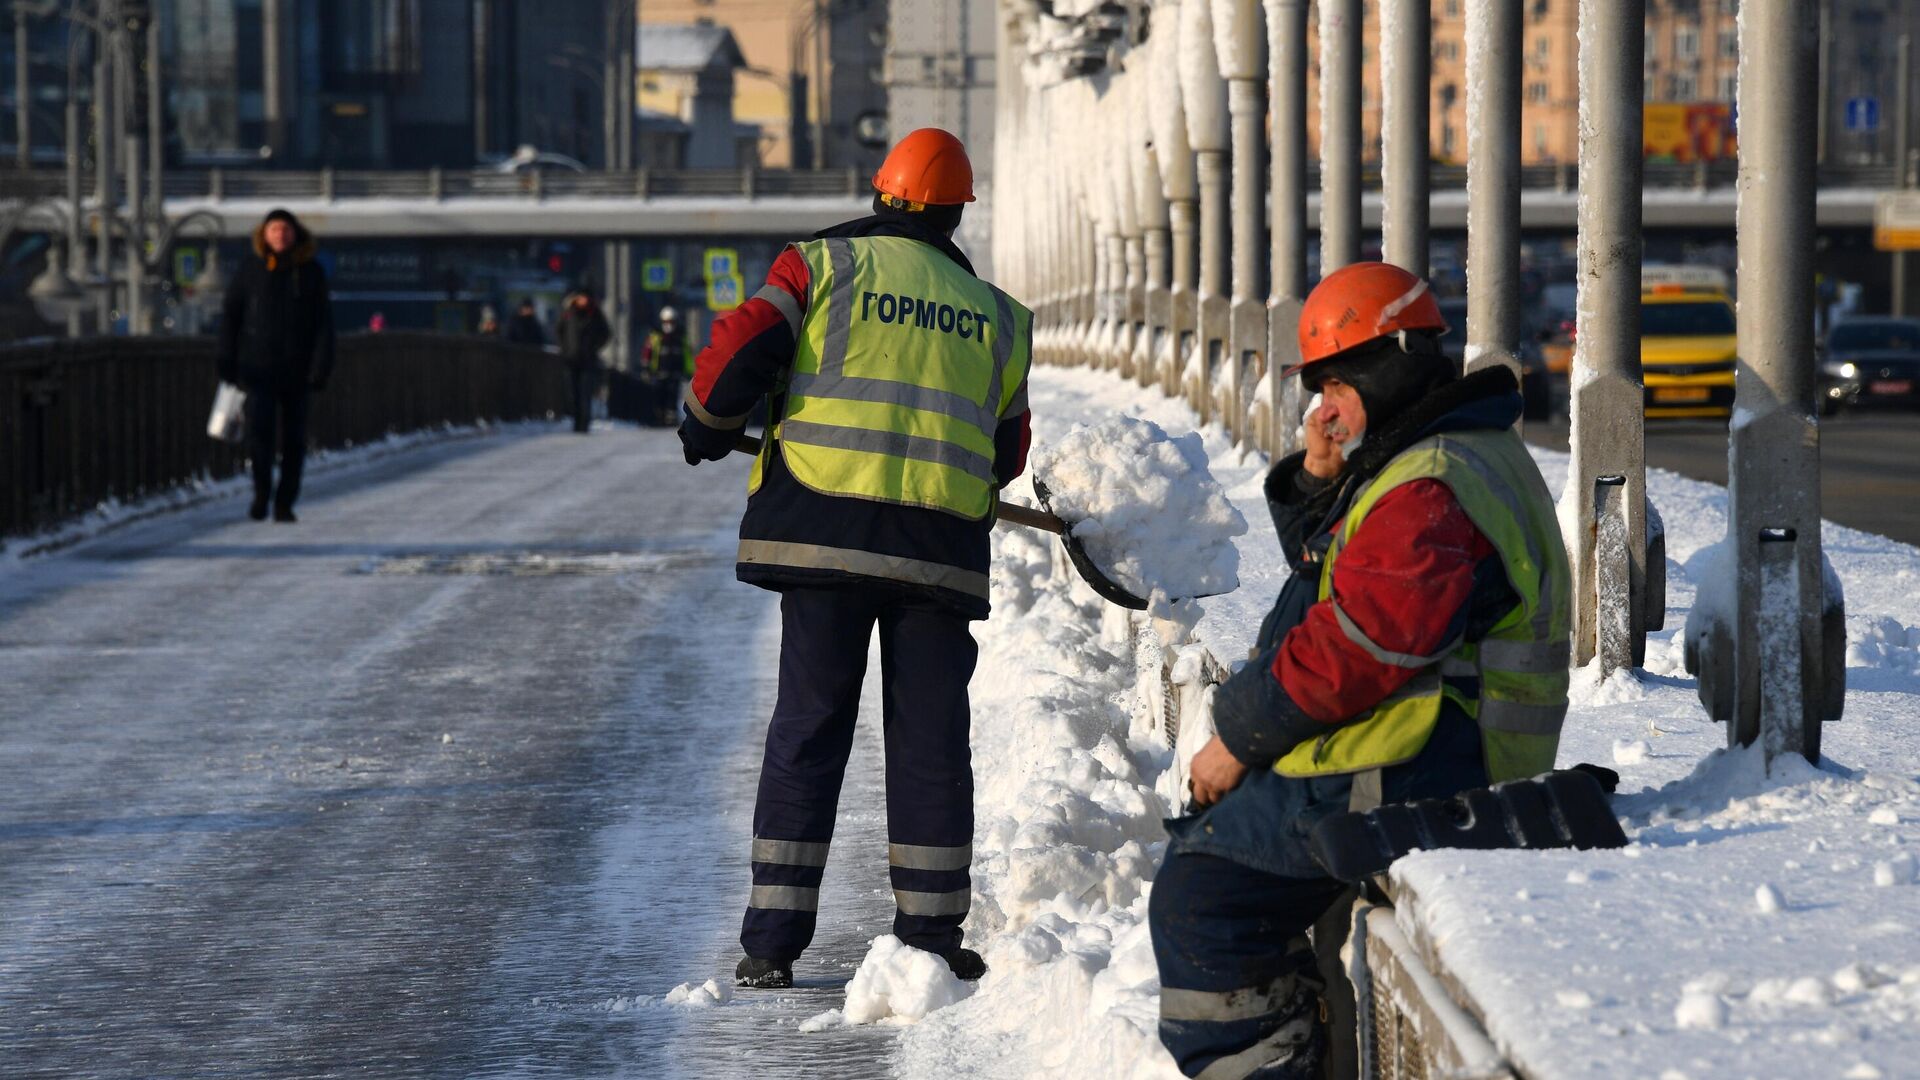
(1871, 361)
(1534, 384)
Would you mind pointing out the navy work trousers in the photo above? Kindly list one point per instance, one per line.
(1237, 891)
(927, 655)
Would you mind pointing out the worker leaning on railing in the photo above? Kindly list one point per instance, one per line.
(1418, 650)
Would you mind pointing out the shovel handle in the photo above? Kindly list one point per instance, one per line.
(1006, 511)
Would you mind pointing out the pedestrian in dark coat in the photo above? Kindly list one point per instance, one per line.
(276, 341)
(583, 332)
(524, 328)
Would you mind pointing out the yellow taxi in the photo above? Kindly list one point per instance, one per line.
(1687, 345)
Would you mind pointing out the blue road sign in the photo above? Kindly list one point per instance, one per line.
(1863, 114)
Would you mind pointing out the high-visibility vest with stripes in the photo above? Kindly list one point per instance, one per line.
(1514, 681)
(905, 364)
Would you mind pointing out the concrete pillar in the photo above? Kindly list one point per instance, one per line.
(1151, 210)
(1130, 296)
(1179, 179)
(1768, 639)
(1406, 34)
(1340, 90)
(1204, 93)
(1242, 52)
(1287, 262)
(1494, 45)
(1608, 472)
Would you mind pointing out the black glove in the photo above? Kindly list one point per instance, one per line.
(702, 443)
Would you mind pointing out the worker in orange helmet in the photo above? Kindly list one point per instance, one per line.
(1418, 650)
(896, 382)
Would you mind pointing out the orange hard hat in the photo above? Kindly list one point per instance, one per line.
(928, 167)
(1362, 303)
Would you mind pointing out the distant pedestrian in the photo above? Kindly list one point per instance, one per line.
(489, 321)
(524, 328)
(664, 358)
(277, 343)
(583, 332)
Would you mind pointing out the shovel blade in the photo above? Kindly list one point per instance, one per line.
(1090, 571)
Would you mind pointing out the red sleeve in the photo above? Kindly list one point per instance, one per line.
(749, 346)
(1405, 583)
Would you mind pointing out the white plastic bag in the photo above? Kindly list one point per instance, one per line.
(227, 422)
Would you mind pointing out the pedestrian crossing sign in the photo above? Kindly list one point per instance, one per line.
(656, 275)
(721, 262)
(725, 293)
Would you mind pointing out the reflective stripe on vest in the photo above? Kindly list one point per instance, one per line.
(904, 365)
(1520, 668)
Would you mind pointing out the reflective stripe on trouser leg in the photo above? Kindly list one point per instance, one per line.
(823, 658)
(926, 658)
(1240, 993)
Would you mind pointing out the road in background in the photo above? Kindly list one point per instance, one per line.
(1869, 464)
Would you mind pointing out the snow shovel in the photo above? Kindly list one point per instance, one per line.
(1109, 590)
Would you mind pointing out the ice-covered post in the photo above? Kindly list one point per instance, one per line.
(1204, 93)
(1768, 639)
(1239, 30)
(1340, 44)
(1608, 473)
(1178, 178)
(1132, 229)
(1493, 183)
(1107, 253)
(1287, 63)
(1156, 295)
(1406, 34)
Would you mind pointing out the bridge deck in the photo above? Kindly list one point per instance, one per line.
(416, 787)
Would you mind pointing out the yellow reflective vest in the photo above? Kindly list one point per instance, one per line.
(1519, 668)
(904, 366)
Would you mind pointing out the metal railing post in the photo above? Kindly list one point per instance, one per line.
(1204, 93)
(1287, 91)
(1493, 171)
(1340, 89)
(1770, 652)
(1245, 65)
(1180, 180)
(1607, 478)
(1405, 43)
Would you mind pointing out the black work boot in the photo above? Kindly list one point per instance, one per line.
(965, 964)
(258, 511)
(757, 974)
(284, 515)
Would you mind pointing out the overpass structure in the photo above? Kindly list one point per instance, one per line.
(636, 203)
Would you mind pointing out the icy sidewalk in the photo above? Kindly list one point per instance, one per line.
(1755, 927)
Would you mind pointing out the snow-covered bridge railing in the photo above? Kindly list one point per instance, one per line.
(93, 420)
(1160, 142)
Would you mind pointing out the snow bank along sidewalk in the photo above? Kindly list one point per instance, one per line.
(1756, 926)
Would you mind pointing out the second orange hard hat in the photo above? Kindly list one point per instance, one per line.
(929, 167)
(1360, 303)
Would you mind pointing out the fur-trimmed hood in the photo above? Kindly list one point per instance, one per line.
(304, 245)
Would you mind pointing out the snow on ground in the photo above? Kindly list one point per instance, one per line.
(1757, 926)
